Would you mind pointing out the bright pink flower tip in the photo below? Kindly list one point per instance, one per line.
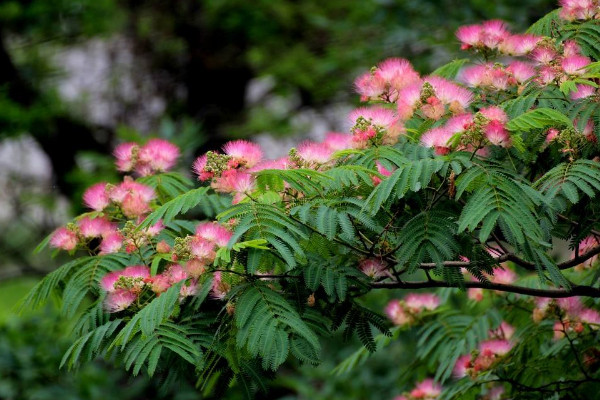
(463, 363)
(107, 283)
(397, 73)
(119, 300)
(202, 249)
(95, 197)
(421, 301)
(158, 155)
(136, 271)
(396, 313)
(244, 152)
(590, 316)
(378, 116)
(583, 91)
(214, 233)
(427, 389)
(338, 141)
(111, 243)
(64, 239)
(494, 113)
(373, 268)
(470, 34)
(312, 152)
(521, 71)
(495, 347)
(574, 65)
(124, 154)
(95, 227)
(503, 275)
(497, 134)
(198, 168)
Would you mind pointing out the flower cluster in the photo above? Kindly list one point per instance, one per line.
(425, 390)
(408, 310)
(488, 353)
(579, 9)
(157, 155)
(570, 315)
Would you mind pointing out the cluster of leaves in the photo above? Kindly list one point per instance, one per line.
(308, 242)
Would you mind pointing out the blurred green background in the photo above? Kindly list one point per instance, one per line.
(77, 76)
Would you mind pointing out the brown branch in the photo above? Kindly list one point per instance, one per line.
(576, 290)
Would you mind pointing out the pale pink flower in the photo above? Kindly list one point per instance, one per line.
(427, 389)
(243, 152)
(133, 197)
(463, 363)
(133, 205)
(107, 283)
(219, 288)
(475, 294)
(519, 45)
(194, 268)
(551, 134)
(369, 86)
(494, 113)
(521, 71)
(95, 227)
(189, 288)
(571, 48)
(497, 134)
(158, 155)
(227, 181)
(378, 116)
(544, 54)
(577, 9)
(504, 276)
(417, 302)
(338, 141)
(95, 197)
(154, 230)
(588, 129)
(382, 170)
(244, 184)
(571, 305)
(373, 268)
(583, 91)
(198, 168)
(396, 313)
(111, 243)
(546, 75)
(498, 347)
(437, 138)
(504, 331)
(314, 153)
(574, 65)
(160, 283)
(119, 300)
(280, 163)
(590, 316)
(64, 239)
(408, 100)
(397, 73)
(469, 36)
(136, 271)
(214, 233)
(450, 93)
(477, 75)
(202, 249)
(126, 156)
(493, 33)
(176, 273)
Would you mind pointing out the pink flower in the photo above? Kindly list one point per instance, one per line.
(245, 183)
(498, 347)
(463, 363)
(450, 93)
(590, 316)
(202, 249)
(280, 163)
(176, 273)
(574, 65)
(314, 153)
(373, 268)
(188, 289)
(194, 268)
(397, 73)
(408, 99)
(571, 48)
(382, 170)
(469, 36)
(437, 138)
(417, 302)
(551, 134)
(198, 168)
(477, 75)
(136, 271)
(107, 283)
(95, 197)
(64, 239)
(219, 288)
(571, 305)
(427, 389)
(494, 113)
(496, 133)
(577, 9)
(475, 294)
(546, 75)
(119, 300)
(503, 275)
(338, 141)
(583, 91)
(160, 283)
(95, 227)
(157, 155)
(519, 45)
(111, 243)
(396, 313)
(544, 54)
(521, 71)
(214, 233)
(243, 152)
(504, 331)
(378, 116)
(493, 33)
(369, 86)
(133, 197)
(126, 156)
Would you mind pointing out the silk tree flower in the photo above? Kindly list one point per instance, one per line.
(519, 45)
(490, 34)
(64, 238)
(489, 352)
(462, 365)
(280, 163)
(494, 113)
(590, 316)
(198, 169)
(202, 249)
(314, 153)
(338, 141)
(132, 197)
(408, 101)
(95, 197)
(385, 80)
(136, 274)
(194, 268)
(477, 75)
(504, 276)
(373, 268)
(213, 232)
(438, 139)
(396, 313)
(469, 36)
(583, 91)
(417, 302)
(157, 155)
(504, 331)
(571, 48)
(521, 71)
(497, 134)
(95, 227)
(574, 65)
(457, 98)
(427, 389)
(544, 54)
(382, 170)
(119, 300)
(111, 243)
(226, 183)
(159, 283)
(243, 153)
(577, 9)
(219, 288)
(126, 156)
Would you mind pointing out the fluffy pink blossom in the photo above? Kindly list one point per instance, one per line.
(227, 181)
(574, 65)
(396, 313)
(158, 155)
(176, 273)
(544, 54)
(95, 227)
(469, 36)
(577, 9)
(519, 45)
(417, 302)
(244, 184)
(450, 93)
(160, 283)
(378, 116)
(427, 389)
(504, 276)
(504, 331)
(521, 71)
(498, 347)
(198, 168)
(188, 289)
(373, 268)
(202, 249)
(437, 138)
(583, 91)
(369, 86)
(194, 268)
(494, 113)
(590, 316)
(314, 153)
(463, 363)
(408, 100)
(107, 283)
(95, 197)
(219, 288)
(493, 33)
(119, 300)
(397, 73)
(64, 239)
(546, 75)
(111, 243)
(382, 170)
(126, 156)
(214, 233)
(280, 163)
(475, 294)
(243, 152)
(551, 134)
(133, 197)
(497, 134)
(136, 271)
(571, 305)
(477, 75)
(338, 141)
(571, 48)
